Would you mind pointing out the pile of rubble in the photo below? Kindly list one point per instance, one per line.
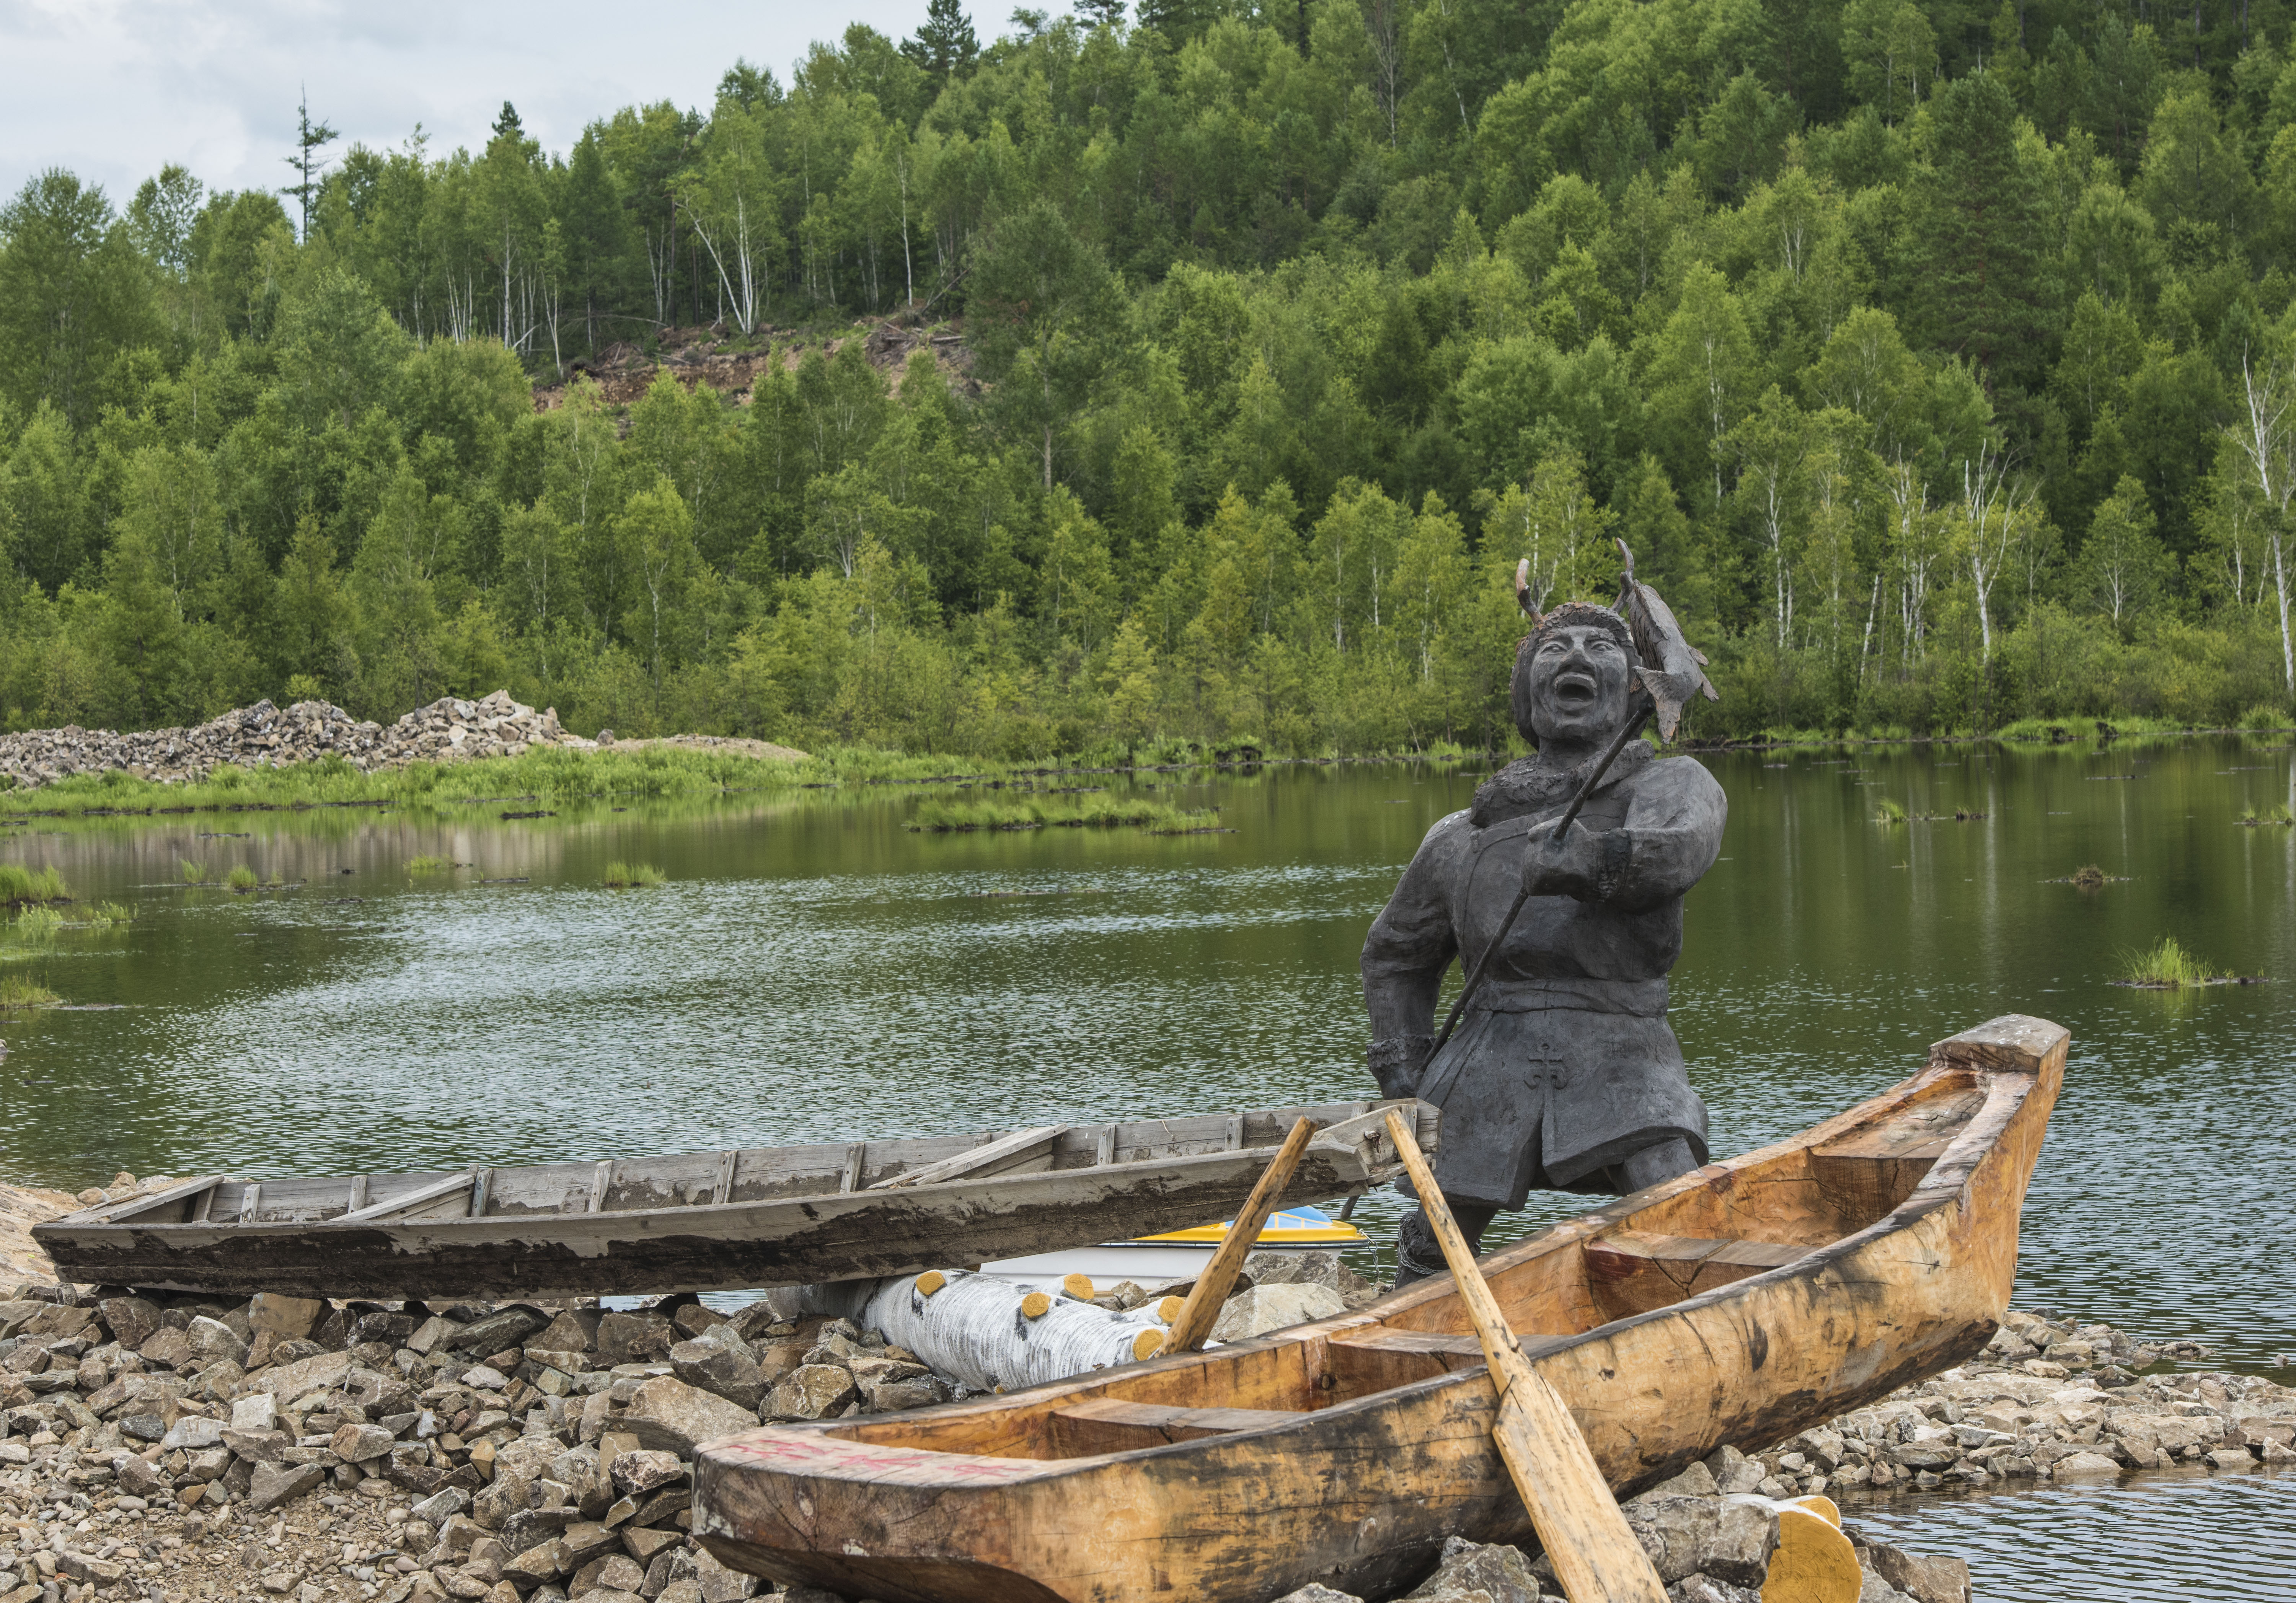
(189, 1447)
(264, 736)
(178, 1447)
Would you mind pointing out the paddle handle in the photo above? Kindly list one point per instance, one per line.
(1200, 1312)
(1594, 1553)
(1475, 978)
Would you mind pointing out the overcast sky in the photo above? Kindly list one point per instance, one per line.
(114, 89)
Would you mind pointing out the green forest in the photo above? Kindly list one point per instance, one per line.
(1936, 362)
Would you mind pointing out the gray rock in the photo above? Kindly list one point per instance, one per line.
(1315, 1591)
(274, 1485)
(1733, 1471)
(1697, 1481)
(1470, 1570)
(193, 1431)
(811, 1391)
(637, 1473)
(138, 1477)
(508, 1493)
(258, 1411)
(356, 1443)
(719, 1584)
(503, 1329)
(667, 1414)
(442, 1506)
(1706, 1589)
(1266, 1308)
(529, 1528)
(131, 1320)
(288, 1318)
(1929, 1580)
(576, 1330)
(211, 1340)
(1728, 1538)
(2084, 1466)
(721, 1369)
(635, 1339)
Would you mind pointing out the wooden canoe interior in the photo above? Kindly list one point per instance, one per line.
(704, 1179)
(1747, 1221)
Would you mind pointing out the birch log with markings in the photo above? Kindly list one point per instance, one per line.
(973, 1326)
(1594, 1551)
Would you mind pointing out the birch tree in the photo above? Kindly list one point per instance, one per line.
(2266, 438)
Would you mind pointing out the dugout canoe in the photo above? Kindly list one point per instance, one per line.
(1737, 1305)
(714, 1220)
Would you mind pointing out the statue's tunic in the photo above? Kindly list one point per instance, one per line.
(1564, 1062)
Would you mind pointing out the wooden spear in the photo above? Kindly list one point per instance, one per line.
(1198, 1314)
(1592, 1548)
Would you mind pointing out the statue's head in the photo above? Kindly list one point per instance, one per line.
(1572, 675)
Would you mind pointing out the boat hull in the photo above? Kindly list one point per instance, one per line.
(1358, 1474)
(553, 1252)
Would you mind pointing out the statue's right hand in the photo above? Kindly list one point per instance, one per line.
(1398, 1062)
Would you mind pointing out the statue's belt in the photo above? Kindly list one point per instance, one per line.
(1620, 998)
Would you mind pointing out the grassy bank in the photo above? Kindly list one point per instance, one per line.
(546, 775)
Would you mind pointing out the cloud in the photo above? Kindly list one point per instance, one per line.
(115, 89)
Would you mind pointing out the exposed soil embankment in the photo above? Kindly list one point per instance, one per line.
(623, 372)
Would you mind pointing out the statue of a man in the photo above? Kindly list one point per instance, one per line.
(1563, 1074)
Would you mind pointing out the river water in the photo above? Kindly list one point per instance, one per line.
(814, 970)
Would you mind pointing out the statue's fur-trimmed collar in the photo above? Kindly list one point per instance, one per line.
(1534, 785)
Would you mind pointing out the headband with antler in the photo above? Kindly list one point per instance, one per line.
(1669, 668)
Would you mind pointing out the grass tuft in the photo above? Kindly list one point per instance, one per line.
(940, 817)
(2270, 815)
(38, 923)
(17, 994)
(2089, 877)
(242, 879)
(633, 876)
(27, 887)
(428, 864)
(194, 873)
(1886, 811)
(2167, 967)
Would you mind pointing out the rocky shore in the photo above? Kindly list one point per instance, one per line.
(449, 729)
(178, 1447)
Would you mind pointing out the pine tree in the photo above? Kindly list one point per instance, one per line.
(508, 125)
(1987, 284)
(310, 137)
(946, 44)
(1098, 14)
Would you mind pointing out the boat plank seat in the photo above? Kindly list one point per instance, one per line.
(1110, 1425)
(1868, 1173)
(1377, 1360)
(1634, 1272)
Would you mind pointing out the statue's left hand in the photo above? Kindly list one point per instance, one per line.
(1563, 867)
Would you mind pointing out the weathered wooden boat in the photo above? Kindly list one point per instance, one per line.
(714, 1221)
(1737, 1305)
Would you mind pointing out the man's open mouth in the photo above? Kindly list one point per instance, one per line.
(1574, 692)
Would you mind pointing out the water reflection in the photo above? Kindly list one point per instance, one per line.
(814, 970)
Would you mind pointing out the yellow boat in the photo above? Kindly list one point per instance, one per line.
(1177, 1254)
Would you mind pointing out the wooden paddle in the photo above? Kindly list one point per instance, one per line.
(1202, 1310)
(1592, 1548)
